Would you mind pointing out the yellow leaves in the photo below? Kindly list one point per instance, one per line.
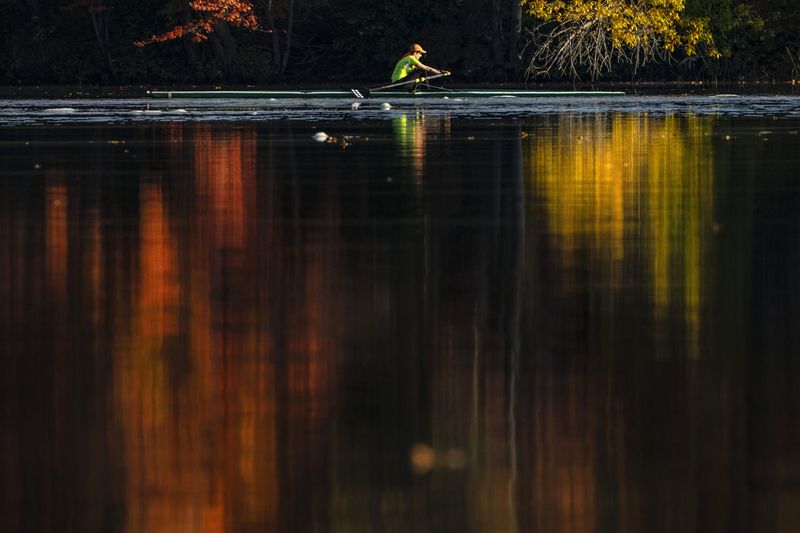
(696, 34)
(597, 31)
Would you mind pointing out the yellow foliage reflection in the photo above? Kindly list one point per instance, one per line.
(614, 186)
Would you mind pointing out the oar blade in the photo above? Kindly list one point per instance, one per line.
(362, 92)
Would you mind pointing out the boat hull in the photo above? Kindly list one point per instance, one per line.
(456, 93)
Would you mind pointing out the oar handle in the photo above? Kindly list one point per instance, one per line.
(406, 82)
(364, 92)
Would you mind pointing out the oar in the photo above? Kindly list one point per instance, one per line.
(365, 92)
(437, 87)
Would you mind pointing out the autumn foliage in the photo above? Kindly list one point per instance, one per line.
(593, 35)
(208, 14)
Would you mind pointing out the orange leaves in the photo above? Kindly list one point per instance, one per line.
(209, 13)
(235, 12)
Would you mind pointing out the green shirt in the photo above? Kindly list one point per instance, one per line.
(404, 67)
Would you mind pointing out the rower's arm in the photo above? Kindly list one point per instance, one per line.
(428, 69)
(417, 63)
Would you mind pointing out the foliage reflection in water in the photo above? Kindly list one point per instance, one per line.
(561, 323)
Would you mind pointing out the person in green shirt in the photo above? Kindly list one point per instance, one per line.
(410, 62)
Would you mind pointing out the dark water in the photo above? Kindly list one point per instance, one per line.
(579, 321)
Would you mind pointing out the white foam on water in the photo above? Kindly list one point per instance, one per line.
(60, 110)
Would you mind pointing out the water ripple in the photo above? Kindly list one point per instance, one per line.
(120, 111)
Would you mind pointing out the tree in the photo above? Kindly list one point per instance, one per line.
(210, 15)
(577, 36)
(280, 53)
(216, 16)
(99, 12)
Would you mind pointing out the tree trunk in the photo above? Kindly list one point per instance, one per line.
(289, 25)
(514, 34)
(227, 44)
(276, 42)
(100, 14)
(506, 29)
(35, 8)
(498, 41)
(218, 56)
(188, 45)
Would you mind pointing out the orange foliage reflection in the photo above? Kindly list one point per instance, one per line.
(206, 367)
(57, 237)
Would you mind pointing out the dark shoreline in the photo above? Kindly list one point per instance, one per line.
(641, 88)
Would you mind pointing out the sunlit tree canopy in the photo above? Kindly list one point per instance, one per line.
(577, 36)
(209, 13)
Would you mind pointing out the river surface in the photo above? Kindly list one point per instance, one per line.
(555, 315)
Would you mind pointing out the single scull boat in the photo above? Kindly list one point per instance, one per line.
(416, 88)
(455, 93)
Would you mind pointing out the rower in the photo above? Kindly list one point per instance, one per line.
(411, 62)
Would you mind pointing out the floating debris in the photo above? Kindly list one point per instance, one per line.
(321, 136)
(386, 106)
